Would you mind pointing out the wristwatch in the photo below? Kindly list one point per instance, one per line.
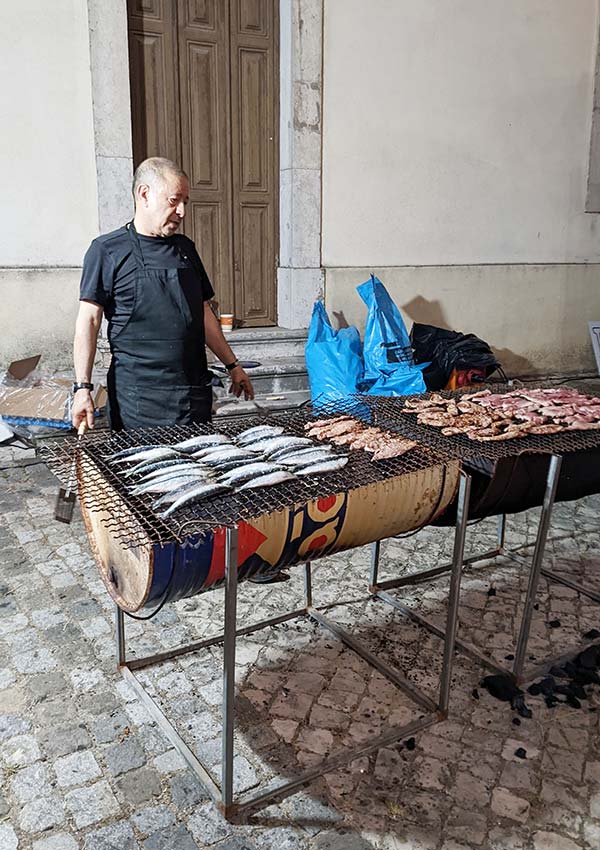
(82, 385)
(231, 366)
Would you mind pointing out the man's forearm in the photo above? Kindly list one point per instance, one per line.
(215, 339)
(84, 349)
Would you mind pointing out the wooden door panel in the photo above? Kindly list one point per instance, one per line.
(206, 171)
(204, 92)
(153, 80)
(253, 17)
(254, 93)
(201, 13)
(205, 132)
(253, 120)
(208, 224)
(254, 222)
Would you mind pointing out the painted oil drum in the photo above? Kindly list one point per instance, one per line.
(142, 576)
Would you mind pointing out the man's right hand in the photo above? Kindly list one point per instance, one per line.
(83, 409)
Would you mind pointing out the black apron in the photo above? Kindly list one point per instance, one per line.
(158, 374)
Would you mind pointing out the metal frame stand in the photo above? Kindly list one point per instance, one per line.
(276, 790)
(519, 672)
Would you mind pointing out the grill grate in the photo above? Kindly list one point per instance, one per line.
(132, 519)
(391, 414)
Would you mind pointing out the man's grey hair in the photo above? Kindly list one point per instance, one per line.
(153, 170)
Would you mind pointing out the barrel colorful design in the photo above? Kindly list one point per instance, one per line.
(142, 576)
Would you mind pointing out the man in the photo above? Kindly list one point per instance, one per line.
(150, 283)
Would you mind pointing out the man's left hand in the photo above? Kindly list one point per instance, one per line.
(241, 383)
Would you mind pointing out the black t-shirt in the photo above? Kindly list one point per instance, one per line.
(109, 269)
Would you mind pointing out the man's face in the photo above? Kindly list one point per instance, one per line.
(165, 203)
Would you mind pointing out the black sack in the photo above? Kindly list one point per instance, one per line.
(448, 350)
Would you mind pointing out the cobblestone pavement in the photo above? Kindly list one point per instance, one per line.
(82, 765)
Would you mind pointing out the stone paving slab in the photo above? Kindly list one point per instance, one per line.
(84, 767)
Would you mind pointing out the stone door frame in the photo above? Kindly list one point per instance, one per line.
(299, 272)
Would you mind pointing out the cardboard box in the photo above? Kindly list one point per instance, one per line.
(25, 395)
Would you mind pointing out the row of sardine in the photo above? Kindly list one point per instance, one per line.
(212, 464)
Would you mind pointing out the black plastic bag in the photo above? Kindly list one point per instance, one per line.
(448, 351)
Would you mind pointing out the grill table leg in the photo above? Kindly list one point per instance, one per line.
(518, 672)
(501, 532)
(276, 790)
(120, 633)
(462, 515)
(375, 552)
(536, 564)
(308, 597)
(230, 625)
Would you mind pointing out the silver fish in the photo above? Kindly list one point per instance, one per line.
(245, 473)
(207, 451)
(175, 472)
(147, 466)
(267, 447)
(180, 464)
(166, 485)
(196, 494)
(258, 432)
(191, 476)
(306, 457)
(295, 450)
(132, 451)
(224, 466)
(267, 480)
(201, 441)
(321, 467)
(160, 453)
(223, 455)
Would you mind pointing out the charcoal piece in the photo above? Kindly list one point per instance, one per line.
(586, 677)
(536, 607)
(547, 685)
(509, 657)
(558, 672)
(573, 701)
(551, 701)
(588, 659)
(521, 706)
(516, 721)
(592, 634)
(570, 669)
(410, 744)
(501, 686)
(521, 753)
(475, 693)
(554, 624)
(491, 591)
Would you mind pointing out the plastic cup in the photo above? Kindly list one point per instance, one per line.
(226, 322)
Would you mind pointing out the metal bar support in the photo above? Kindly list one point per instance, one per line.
(308, 597)
(501, 532)
(430, 713)
(462, 515)
(230, 625)
(120, 631)
(375, 552)
(536, 564)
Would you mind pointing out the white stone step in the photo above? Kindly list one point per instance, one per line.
(261, 343)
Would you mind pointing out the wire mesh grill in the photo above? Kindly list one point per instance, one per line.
(132, 519)
(393, 415)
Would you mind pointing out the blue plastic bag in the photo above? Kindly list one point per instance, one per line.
(388, 361)
(333, 358)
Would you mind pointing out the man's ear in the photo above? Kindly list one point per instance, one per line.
(143, 191)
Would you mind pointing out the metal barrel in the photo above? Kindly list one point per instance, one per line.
(144, 575)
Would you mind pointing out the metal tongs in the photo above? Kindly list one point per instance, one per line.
(65, 501)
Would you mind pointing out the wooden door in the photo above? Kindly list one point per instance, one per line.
(204, 92)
